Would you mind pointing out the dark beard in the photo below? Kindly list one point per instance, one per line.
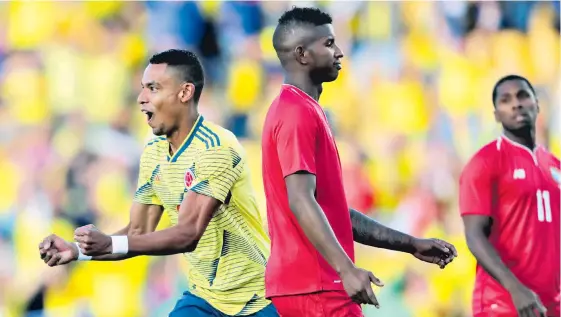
(321, 75)
(522, 132)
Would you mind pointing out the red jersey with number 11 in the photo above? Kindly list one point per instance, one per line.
(519, 190)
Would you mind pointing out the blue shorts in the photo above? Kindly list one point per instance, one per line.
(193, 306)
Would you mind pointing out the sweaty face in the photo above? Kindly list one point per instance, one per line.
(516, 107)
(325, 55)
(159, 99)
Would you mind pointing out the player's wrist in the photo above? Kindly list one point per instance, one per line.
(78, 255)
(344, 267)
(513, 285)
(74, 250)
(412, 245)
(119, 245)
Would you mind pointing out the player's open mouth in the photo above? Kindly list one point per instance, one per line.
(338, 65)
(521, 117)
(149, 115)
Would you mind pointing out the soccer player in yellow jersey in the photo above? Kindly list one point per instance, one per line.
(197, 173)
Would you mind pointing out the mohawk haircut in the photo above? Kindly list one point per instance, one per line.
(313, 16)
(508, 78)
(188, 66)
(295, 18)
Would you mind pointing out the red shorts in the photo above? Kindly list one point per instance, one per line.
(320, 304)
(498, 303)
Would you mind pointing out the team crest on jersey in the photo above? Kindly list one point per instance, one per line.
(556, 174)
(189, 178)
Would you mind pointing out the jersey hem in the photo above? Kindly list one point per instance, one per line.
(265, 303)
(304, 292)
(474, 213)
(294, 171)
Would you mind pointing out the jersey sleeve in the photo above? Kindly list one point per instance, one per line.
(216, 171)
(145, 193)
(476, 187)
(296, 137)
(555, 160)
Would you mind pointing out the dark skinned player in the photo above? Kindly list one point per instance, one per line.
(509, 201)
(311, 271)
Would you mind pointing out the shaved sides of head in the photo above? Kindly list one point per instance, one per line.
(292, 27)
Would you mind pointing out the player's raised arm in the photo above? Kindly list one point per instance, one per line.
(144, 219)
(195, 213)
(217, 170)
(367, 231)
(56, 251)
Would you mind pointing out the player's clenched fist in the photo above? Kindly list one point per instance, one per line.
(357, 285)
(93, 242)
(56, 251)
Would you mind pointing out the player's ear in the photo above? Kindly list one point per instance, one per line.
(537, 105)
(187, 92)
(301, 55)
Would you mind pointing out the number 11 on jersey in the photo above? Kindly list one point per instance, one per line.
(544, 206)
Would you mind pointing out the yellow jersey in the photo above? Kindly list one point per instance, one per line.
(227, 268)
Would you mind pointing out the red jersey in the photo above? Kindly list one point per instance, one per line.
(519, 189)
(297, 137)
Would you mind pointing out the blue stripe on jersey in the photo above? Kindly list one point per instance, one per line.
(250, 305)
(156, 140)
(204, 127)
(155, 172)
(142, 189)
(236, 159)
(202, 140)
(206, 136)
(189, 140)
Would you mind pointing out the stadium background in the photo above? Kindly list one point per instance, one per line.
(413, 102)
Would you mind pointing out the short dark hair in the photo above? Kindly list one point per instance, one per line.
(508, 78)
(312, 16)
(296, 18)
(187, 63)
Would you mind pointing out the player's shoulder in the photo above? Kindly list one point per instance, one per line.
(549, 154)
(155, 144)
(291, 108)
(551, 161)
(292, 100)
(488, 151)
(216, 133)
(218, 137)
(484, 159)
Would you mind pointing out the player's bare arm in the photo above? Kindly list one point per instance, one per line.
(143, 219)
(301, 188)
(369, 232)
(195, 213)
(477, 230)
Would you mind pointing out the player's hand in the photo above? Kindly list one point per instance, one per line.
(434, 251)
(357, 285)
(527, 302)
(56, 251)
(93, 242)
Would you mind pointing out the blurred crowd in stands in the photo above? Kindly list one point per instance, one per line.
(412, 104)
